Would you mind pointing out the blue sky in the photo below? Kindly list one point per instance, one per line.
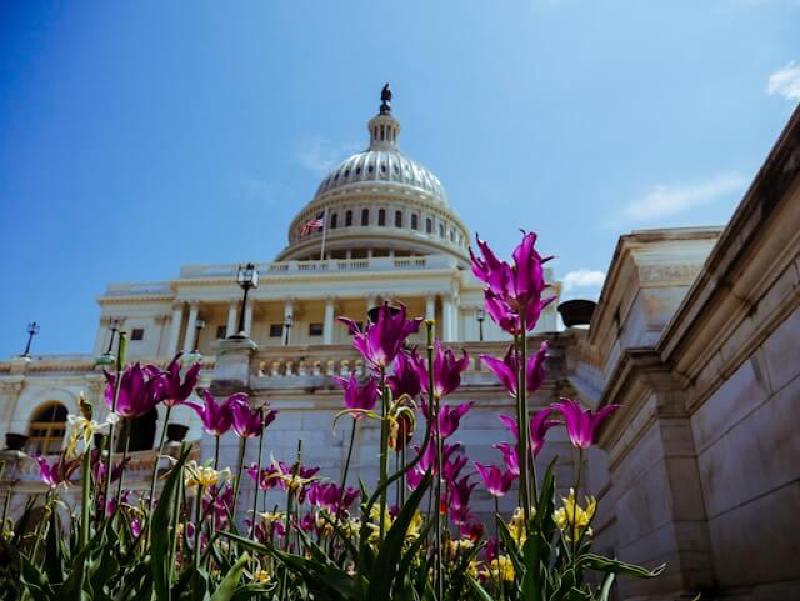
(138, 136)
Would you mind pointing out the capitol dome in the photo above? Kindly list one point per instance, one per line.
(378, 202)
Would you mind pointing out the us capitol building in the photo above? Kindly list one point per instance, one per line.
(696, 333)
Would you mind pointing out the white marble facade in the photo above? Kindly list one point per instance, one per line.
(696, 334)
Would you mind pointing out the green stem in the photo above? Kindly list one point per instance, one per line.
(197, 526)
(574, 540)
(434, 417)
(155, 473)
(176, 518)
(216, 467)
(258, 479)
(124, 459)
(122, 343)
(86, 481)
(242, 447)
(403, 480)
(500, 580)
(524, 483)
(384, 453)
(344, 481)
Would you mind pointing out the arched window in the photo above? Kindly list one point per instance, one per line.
(414, 221)
(348, 218)
(382, 217)
(333, 221)
(441, 230)
(364, 216)
(398, 218)
(428, 225)
(47, 428)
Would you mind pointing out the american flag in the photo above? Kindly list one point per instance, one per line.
(313, 225)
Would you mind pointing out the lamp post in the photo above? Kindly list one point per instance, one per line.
(247, 278)
(196, 356)
(480, 315)
(108, 357)
(288, 322)
(33, 329)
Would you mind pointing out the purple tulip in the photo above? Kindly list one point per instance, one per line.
(327, 494)
(506, 369)
(57, 472)
(404, 378)
(141, 389)
(380, 342)
(247, 422)
(176, 392)
(449, 417)
(510, 456)
(537, 428)
(497, 481)
(358, 396)
(512, 290)
(268, 477)
(460, 492)
(446, 371)
(218, 500)
(99, 466)
(472, 530)
(582, 425)
(450, 468)
(217, 418)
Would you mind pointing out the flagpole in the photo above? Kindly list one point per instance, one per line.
(324, 233)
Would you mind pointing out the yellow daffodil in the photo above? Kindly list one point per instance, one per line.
(473, 568)
(83, 429)
(270, 517)
(501, 567)
(516, 525)
(414, 526)
(571, 517)
(261, 576)
(461, 544)
(203, 475)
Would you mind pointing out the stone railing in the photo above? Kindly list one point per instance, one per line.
(338, 360)
(327, 266)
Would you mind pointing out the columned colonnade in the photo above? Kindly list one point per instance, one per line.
(192, 310)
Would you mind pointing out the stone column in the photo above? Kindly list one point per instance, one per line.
(230, 327)
(327, 328)
(188, 344)
(248, 317)
(175, 328)
(288, 310)
(448, 318)
(430, 307)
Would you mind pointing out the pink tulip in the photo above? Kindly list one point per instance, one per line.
(582, 426)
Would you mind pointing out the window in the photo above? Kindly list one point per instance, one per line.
(441, 230)
(347, 172)
(137, 334)
(382, 217)
(398, 219)
(428, 225)
(383, 167)
(275, 330)
(333, 221)
(452, 235)
(371, 168)
(358, 170)
(364, 216)
(222, 331)
(414, 221)
(315, 329)
(47, 428)
(348, 218)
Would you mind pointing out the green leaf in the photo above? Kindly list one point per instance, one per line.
(53, 556)
(383, 573)
(161, 543)
(231, 580)
(479, 590)
(604, 564)
(605, 589)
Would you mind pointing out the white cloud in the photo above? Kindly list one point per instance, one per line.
(583, 278)
(319, 155)
(785, 82)
(663, 200)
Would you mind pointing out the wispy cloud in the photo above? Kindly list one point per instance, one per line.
(667, 200)
(785, 82)
(319, 155)
(588, 281)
